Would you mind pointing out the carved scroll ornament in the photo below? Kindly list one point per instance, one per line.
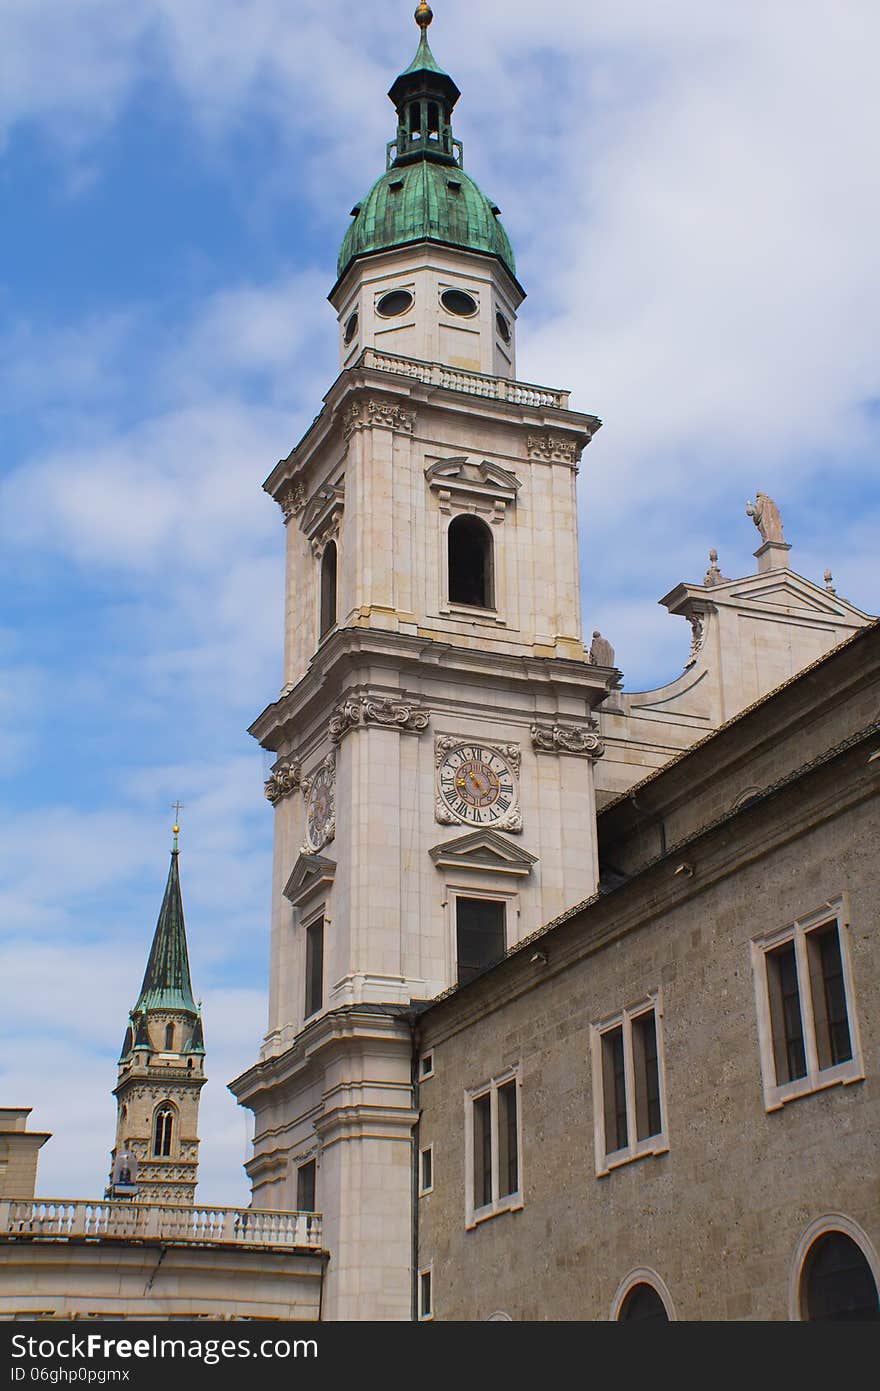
(557, 738)
(366, 710)
(282, 781)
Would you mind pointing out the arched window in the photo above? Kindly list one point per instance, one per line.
(837, 1283)
(470, 563)
(162, 1132)
(328, 588)
(643, 1305)
(169, 1037)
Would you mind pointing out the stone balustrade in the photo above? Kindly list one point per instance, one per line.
(63, 1218)
(471, 383)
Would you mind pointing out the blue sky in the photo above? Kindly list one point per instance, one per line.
(691, 191)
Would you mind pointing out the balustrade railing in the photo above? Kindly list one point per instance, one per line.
(471, 383)
(61, 1218)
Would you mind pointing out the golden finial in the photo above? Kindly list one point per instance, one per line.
(424, 15)
(177, 808)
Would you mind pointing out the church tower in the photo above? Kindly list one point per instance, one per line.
(161, 1070)
(434, 737)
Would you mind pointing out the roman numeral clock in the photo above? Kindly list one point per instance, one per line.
(477, 783)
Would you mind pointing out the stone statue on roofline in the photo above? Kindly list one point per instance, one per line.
(765, 514)
(601, 651)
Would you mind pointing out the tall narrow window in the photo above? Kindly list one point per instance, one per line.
(169, 1038)
(785, 1011)
(837, 1284)
(162, 1133)
(492, 1126)
(471, 581)
(629, 1111)
(305, 1187)
(480, 935)
(314, 967)
(614, 1083)
(807, 1028)
(328, 588)
(426, 1308)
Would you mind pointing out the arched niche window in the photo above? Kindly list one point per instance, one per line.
(328, 587)
(642, 1304)
(471, 579)
(169, 1038)
(837, 1284)
(163, 1131)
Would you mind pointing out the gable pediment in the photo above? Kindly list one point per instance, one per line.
(484, 850)
(311, 875)
(483, 479)
(790, 592)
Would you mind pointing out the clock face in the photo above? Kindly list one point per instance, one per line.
(320, 818)
(477, 784)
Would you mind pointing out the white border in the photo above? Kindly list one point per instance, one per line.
(830, 1222)
(642, 1275)
(816, 1079)
(652, 1144)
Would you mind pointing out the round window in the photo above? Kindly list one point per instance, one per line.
(457, 302)
(351, 328)
(503, 326)
(394, 303)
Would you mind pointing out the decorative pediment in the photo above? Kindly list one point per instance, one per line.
(483, 850)
(312, 874)
(483, 483)
(324, 510)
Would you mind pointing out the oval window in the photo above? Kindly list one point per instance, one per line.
(457, 302)
(351, 328)
(394, 303)
(503, 326)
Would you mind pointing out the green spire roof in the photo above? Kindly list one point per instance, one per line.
(167, 983)
(424, 194)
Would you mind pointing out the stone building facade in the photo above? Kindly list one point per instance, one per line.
(682, 1072)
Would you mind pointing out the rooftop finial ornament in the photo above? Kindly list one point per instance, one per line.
(424, 15)
(177, 808)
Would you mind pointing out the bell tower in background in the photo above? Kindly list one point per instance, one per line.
(161, 1070)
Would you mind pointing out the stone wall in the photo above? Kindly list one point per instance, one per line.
(719, 1216)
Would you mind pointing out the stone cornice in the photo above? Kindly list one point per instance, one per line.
(570, 431)
(417, 661)
(351, 1024)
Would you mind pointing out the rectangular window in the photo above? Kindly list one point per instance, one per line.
(426, 1170)
(314, 967)
(629, 1106)
(481, 937)
(806, 1022)
(494, 1139)
(426, 1307)
(426, 1066)
(305, 1187)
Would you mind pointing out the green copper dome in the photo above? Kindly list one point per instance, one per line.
(426, 201)
(424, 194)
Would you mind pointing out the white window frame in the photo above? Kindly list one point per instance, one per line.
(306, 921)
(423, 1271)
(426, 1149)
(456, 890)
(510, 1202)
(426, 1065)
(776, 1095)
(652, 1144)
